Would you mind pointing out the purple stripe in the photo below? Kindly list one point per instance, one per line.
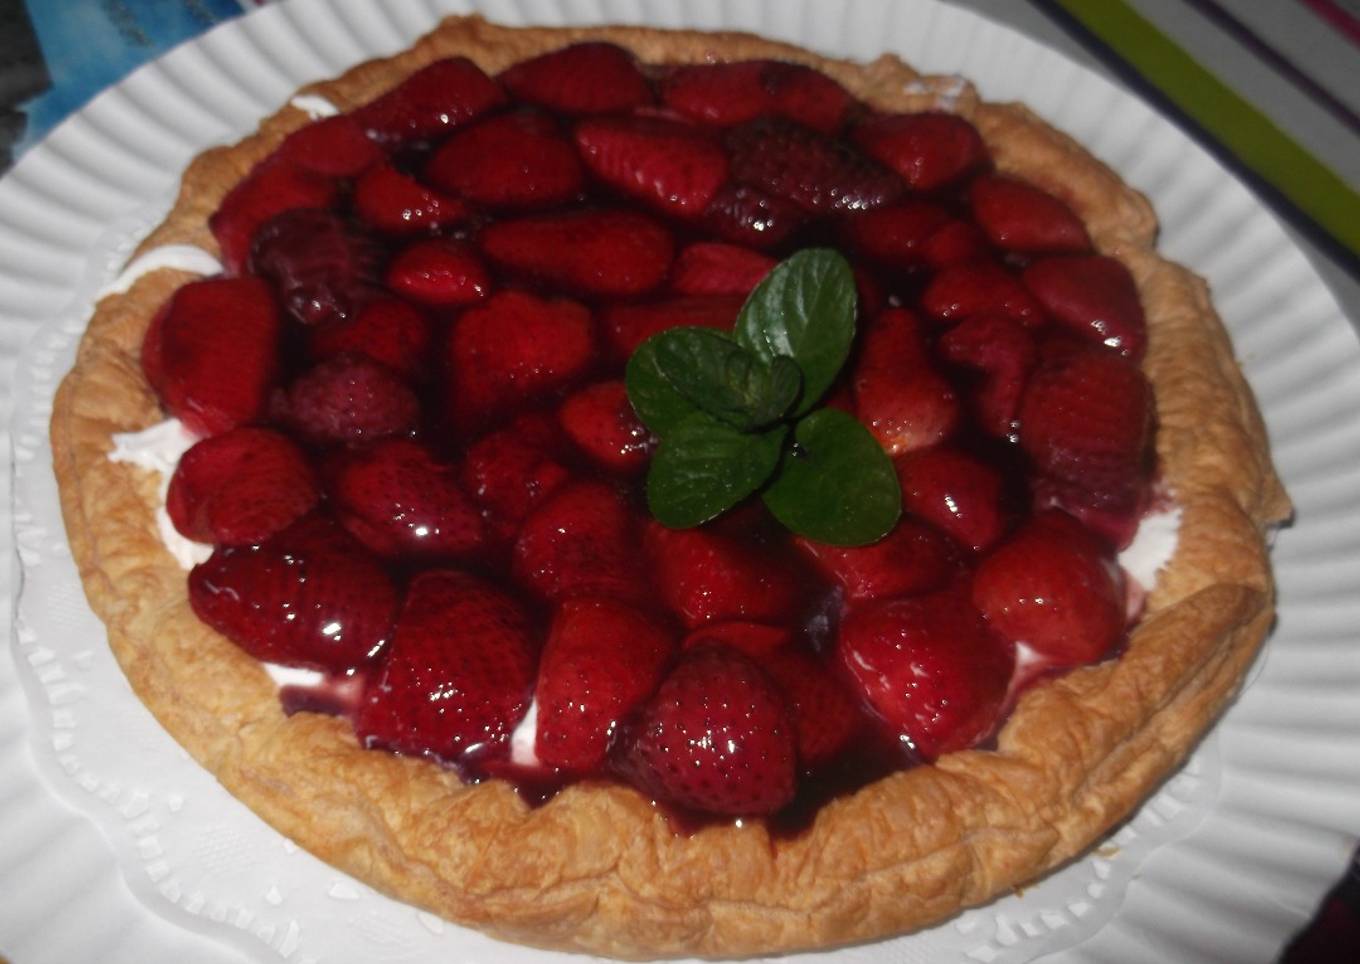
(1248, 38)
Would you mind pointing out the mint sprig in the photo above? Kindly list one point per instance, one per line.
(736, 412)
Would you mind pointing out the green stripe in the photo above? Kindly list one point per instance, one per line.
(1312, 186)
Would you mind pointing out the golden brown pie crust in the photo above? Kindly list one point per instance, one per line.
(598, 868)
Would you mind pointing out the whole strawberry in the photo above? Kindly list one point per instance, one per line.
(956, 492)
(611, 253)
(348, 398)
(583, 78)
(515, 160)
(1054, 587)
(458, 675)
(669, 165)
(211, 353)
(602, 659)
(397, 499)
(1086, 420)
(913, 558)
(310, 596)
(323, 269)
(930, 668)
(704, 576)
(581, 541)
(602, 423)
(432, 101)
(717, 737)
(928, 150)
(240, 487)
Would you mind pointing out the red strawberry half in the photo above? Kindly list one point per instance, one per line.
(584, 78)
(930, 668)
(628, 324)
(1054, 587)
(972, 287)
(513, 160)
(1094, 297)
(398, 500)
(348, 398)
(912, 559)
(333, 146)
(602, 659)
(212, 354)
(1086, 420)
(399, 204)
(927, 150)
(433, 100)
(705, 576)
(1003, 353)
(710, 268)
(1018, 216)
(818, 174)
(895, 236)
(899, 395)
(273, 187)
(388, 330)
(310, 596)
(581, 541)
(458, 675)
(825, 715)
(592, 251)
(745, 215)
(601, 421)
(669, 165)
(717, 736)
(957, 493)
(440, 273)
(240, 487)
(515, 348)
(513, 469)
(732, 93)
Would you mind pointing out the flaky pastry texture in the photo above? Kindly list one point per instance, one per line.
(598, 868)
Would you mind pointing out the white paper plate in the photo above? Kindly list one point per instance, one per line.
(1224, 864)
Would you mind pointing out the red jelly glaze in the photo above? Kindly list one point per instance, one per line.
(539, 380)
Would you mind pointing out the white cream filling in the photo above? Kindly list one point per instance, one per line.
(158, 449)
(1153, 546)
(184, 257)
(314, 106)
(523, 740)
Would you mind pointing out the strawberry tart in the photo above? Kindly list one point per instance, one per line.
(659, 493)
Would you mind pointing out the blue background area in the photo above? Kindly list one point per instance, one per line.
(90, 44)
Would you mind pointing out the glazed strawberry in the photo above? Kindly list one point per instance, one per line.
(430, 102)
(927, 150)
(628, 324)
(895, 236)
(512, 349)
(348, 398)
(601, 421)
(513, 160)
(955, 492)
(212, 354)
(1055, 588)
(273, 187)
(458, 675)
(581, 541)
(1003, 353)
(930, 668)
(717, 736)
(333, 146)
(675, 167)
(872, 296)
(757, 640)
(971, 287)
(440, 273)
(1094, 297)
(1017, 216)
(513, 469)
(388, 330)
(825, 715)
(705, 576)
(912, 559)
(397, 203)
(953, 242)
(310, 596)
(1086, 420)
(584, 78)
(602, 659)
(727, 94)
(818, 174)
(323, 269)
(899, 396)
(744, 215)
(240, 488)
(396, 498)
(592, 251)
(712, 268)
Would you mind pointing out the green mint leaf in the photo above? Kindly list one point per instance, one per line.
(657, 402)
(804, 309)
(720, 377)
(838, 485)
(702, 468)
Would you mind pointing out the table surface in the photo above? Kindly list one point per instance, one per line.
(1294, 61)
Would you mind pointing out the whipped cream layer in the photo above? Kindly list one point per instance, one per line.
(158, 449)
